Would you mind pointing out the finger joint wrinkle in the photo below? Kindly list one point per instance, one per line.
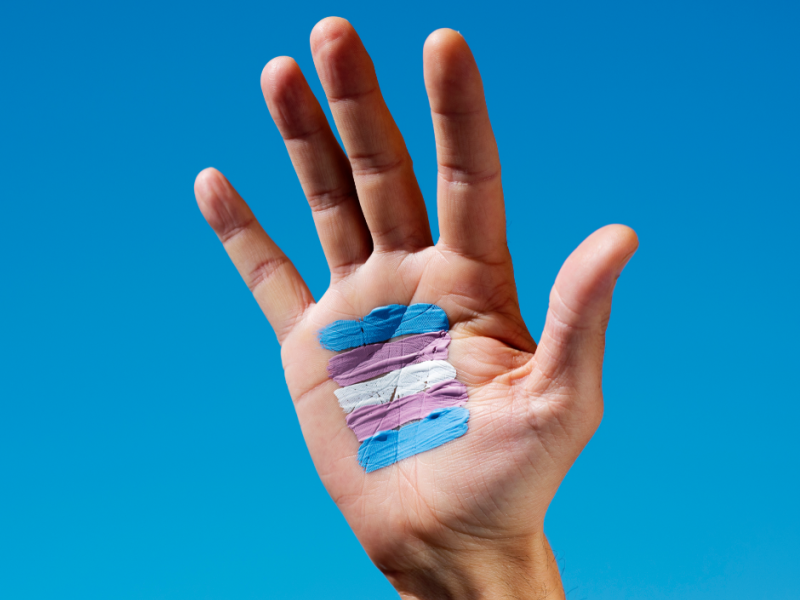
(575, 318)
(292, 322)
(376, 163)
(455, 114)
(232, 231)
(265, 270)
(303, 135)
(488, 259)
(343, 269)
(326, 200)
(458, 176)
(399, 239)
(354, 96)
(561, 326)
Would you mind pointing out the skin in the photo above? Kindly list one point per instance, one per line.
(464, 520)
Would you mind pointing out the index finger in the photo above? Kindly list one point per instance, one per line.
(471, 210)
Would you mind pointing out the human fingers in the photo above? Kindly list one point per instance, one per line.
(320, 163)
(570, 353)
(471, 211)
(384, 177)
(277, 286)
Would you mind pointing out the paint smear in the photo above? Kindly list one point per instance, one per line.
(397, 384)
(382, 324)
(376, 359)
(370, 420)
(388, 447)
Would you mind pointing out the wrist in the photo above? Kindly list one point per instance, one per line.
(518, 570)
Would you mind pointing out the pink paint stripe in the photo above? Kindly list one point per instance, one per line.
(377, 359)
(369, 420)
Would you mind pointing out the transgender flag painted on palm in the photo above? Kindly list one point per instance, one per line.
(400, 397)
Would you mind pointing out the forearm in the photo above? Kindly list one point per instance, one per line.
(525, 571)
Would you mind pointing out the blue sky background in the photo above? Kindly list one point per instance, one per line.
(148, 446)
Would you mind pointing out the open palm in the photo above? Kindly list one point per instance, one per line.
(433, 522)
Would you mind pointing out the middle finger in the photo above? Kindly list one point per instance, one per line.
(384, 176)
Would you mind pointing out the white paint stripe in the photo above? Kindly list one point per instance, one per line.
(402, 382)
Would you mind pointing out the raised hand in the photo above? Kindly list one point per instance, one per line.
(465, 519)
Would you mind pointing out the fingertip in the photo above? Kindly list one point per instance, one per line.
(329, 29)
(588, 276)
(443, 39)
(447, 48)
(206, 190)
(451, 73)
(277, 72)
(624, 235)
(617, 242)
(289, 98)
(217, 201)
(343, 64)
(629, 241)
(442, 35)
(284, 88)
(203, 183)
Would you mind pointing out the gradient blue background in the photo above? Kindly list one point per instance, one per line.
(148, 446)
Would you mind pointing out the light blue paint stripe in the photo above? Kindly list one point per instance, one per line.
(382, 324)
(387, 447)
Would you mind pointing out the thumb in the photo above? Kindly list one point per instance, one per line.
(570, 353)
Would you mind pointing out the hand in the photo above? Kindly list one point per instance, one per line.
(464, 520)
